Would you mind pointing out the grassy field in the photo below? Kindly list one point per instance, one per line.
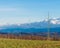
(16, 43)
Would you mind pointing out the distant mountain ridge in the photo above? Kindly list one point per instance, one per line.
(32, 28)
(43, 24)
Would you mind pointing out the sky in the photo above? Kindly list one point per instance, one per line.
(27, 11)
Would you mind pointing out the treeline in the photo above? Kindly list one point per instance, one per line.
(29, 37)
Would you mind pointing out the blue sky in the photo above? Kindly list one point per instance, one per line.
(26, 11)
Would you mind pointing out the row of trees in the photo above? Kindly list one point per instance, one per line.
(30, 37)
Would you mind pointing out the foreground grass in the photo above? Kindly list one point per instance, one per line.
(16, 43)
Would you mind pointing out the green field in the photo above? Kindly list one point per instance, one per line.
(17, 43)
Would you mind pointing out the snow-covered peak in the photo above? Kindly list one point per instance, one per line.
(55, 21)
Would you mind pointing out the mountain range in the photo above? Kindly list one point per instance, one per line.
(33, 28)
